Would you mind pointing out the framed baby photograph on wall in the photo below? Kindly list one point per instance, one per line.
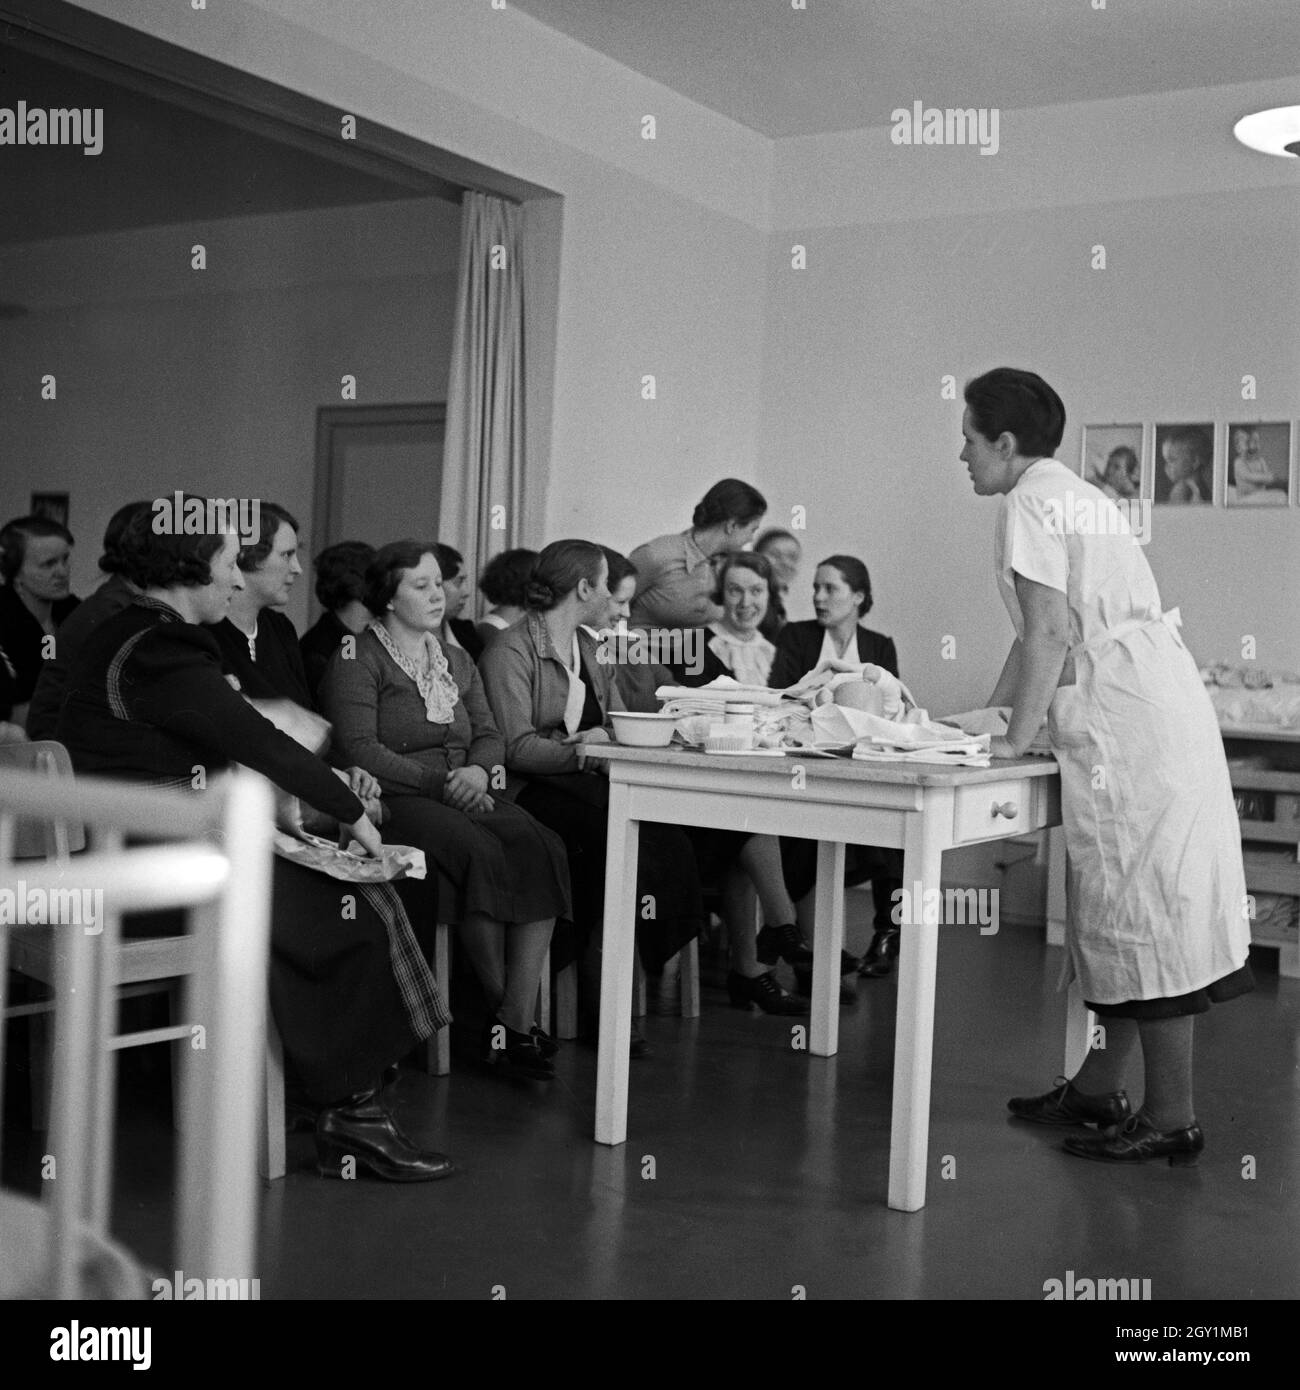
(1112, 459)
(1259, 463)
(1183, 472)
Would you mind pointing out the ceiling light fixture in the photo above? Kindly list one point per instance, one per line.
(1271, 132)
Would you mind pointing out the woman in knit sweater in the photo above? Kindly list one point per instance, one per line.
(413, 714)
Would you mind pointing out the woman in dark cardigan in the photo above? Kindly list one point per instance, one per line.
(841, 598)
(413, 714)
(350, 989)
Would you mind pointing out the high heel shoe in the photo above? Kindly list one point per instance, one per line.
(515, 1054)
(803, 977)
(360, 1129)
(764, 991)
(546, 1044)
(1137, 1141)
(881, 954)
(783, 943)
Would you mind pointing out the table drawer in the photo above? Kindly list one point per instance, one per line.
(992, 810)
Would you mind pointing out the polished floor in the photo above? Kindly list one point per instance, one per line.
(753, 1170)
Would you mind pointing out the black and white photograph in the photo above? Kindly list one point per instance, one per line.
(1259, 464)
(1112, 460)
(569, 728)
(1184, 464)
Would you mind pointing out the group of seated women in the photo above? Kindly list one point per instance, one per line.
(470, 743)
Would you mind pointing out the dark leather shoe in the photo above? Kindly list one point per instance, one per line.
(515, 1054)
(783, 943)
(764, 991)
(1135, 1141)
(803, 977)
(362, 1129)
(546, 1044)
(881, 954)
(1067, 1106)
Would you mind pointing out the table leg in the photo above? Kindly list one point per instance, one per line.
(909, 1133)
(828, 939)
(618, 951)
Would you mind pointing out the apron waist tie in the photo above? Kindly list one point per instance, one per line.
(1173, 620)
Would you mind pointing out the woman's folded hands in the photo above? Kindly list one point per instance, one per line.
(466, 789)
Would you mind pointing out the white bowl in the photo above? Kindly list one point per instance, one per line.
(643, 730)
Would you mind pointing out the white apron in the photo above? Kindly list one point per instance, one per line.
(1156, 891)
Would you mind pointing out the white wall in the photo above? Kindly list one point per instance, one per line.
(663, 241)
(210, 380)
(933, 261)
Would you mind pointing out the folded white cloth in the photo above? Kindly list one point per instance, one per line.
(993, 721)
(719, 692)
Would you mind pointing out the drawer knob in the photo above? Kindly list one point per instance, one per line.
(1006, 808)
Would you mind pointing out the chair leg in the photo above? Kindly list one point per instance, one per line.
(689, 959)
(544, 995)
(271, 1153)
(180, 1050)
(437, 1049)
(40, 1049)
(638, 987)
(566, 1002)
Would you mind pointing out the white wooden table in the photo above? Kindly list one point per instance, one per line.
(920, 808)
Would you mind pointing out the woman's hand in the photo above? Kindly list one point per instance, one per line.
(593, 735)
(1003, 748)
(365, 834)
(466, 790)
(363, 784)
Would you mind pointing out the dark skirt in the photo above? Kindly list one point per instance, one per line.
(576, 806)
(882, 866)
(501, 863)
(1240, 981)
(334, 996)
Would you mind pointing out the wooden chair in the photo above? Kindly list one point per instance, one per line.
(60, 1247)
(147, 966)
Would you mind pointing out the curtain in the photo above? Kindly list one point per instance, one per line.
(482, 474)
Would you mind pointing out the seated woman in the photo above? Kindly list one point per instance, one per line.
(256, 638)
(502, 584)
(841, 597)
(551, 698)
(413, 714)
(35, 597)
(112, 596)
(785, 552)
(351, 992)
(735, 645)
(455, 630)
(637, 681)
(340, 589)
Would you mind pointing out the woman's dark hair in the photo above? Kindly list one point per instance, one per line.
(620, 567)
(558, 569)
(165, 559)
(341, 573)
(450, 560)
(775, 533)
(111, 560)
(384, 572)
(271, 518)
(854, 573)
(15, 535)
(747, 560)
(1128, 459)
(729, 500)
(504, 576)
(1019, 403)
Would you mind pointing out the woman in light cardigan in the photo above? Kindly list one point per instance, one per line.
(414, 714)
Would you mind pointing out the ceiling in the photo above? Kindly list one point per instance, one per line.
(846, 64)
(162, 162)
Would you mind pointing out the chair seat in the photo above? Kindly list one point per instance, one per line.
(106, 1271)
(31, 953)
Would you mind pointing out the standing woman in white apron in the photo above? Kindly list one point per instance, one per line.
(1158, 928)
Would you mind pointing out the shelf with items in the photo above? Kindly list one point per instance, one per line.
(1269, 801)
